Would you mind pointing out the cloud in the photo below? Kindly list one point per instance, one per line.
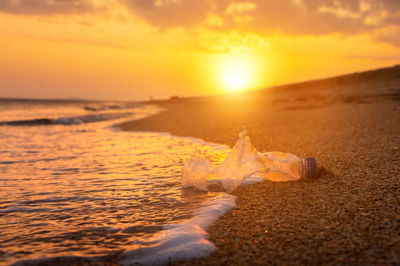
(339, 11)
(298, 17)
(171, 13)
(240, 7)
(290, 16)
(46, 7)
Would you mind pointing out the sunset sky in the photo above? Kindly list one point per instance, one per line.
(131, 49)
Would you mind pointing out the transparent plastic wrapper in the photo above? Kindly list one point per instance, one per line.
(244, 161)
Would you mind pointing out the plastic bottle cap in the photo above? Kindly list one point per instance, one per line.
(309, 168)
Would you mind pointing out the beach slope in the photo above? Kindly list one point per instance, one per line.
(350, 213)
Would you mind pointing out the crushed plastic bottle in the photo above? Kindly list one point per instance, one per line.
(245, 161)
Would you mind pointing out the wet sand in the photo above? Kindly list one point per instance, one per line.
(349, 214)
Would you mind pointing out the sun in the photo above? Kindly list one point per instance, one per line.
(236, 74)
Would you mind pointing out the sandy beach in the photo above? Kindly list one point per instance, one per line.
(199, 132)
(349, 214)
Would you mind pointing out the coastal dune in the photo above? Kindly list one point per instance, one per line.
(350, 213)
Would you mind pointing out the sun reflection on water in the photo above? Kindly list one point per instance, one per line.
(87, 190)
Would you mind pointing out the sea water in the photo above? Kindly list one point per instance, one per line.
(72, 184)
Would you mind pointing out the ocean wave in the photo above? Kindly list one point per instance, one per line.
(181, 241)
(67, 120)
(41, 160)
(94, 108)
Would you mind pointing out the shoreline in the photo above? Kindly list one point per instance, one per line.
(350, 214)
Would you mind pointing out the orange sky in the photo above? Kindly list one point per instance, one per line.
(131, 49)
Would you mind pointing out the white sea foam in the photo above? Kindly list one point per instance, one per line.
(182, 241)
